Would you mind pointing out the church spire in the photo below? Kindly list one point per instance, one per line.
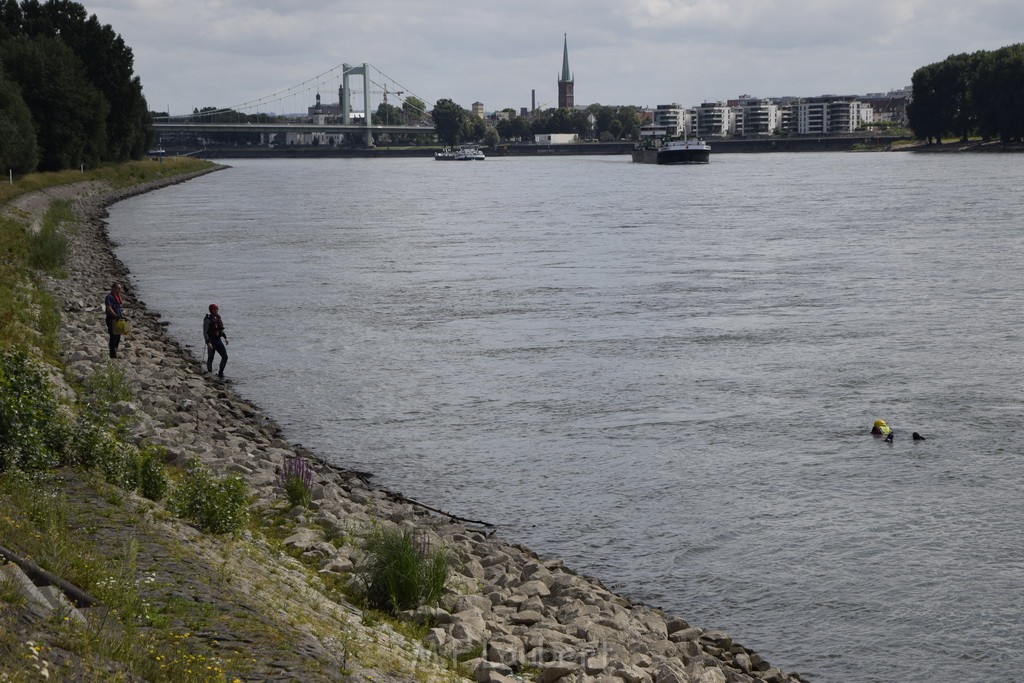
(565, 59)
(565, 83)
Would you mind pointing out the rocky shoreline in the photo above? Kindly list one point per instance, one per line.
(523, 614)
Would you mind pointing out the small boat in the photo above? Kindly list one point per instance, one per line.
(446, 154)
(673, 152)
(469, 153)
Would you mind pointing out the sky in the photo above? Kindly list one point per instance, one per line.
(226, 53)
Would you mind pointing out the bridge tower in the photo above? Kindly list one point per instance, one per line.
(363, 71)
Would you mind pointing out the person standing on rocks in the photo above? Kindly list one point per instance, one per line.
(112, 308)
(213, 333)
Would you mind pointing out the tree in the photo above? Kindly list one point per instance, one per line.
(449, 121)
(388, 115)
(414, 109)
(18, 151)
(964, 94)
(923, 111)
(473, 128)
(521, 128)
(105, 65)
(629, 121)
(491, 137)
(603, 117)
(997, 95)
(11, 19)
(69, 112)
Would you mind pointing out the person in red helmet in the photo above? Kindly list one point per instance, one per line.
(213, 333)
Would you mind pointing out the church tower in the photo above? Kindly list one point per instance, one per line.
(565, 82)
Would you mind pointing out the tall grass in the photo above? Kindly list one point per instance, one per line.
(401, 572)
(48, 249)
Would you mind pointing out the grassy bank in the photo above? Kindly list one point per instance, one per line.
(28, 319)
(190, 583)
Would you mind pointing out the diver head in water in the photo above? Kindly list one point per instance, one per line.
(880, 428)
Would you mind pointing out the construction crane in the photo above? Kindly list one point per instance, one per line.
(385, 92)
(396, 92)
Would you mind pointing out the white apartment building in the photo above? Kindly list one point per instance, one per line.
(749, 116)
(715, 119)
(755, 116)
(677, 120)
(822, 116)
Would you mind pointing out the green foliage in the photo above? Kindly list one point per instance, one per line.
(296, 480)
(18, 151)
(491, 137)
(297, 492)
(148, 475)
(74, 71)
(34, 433)
(449, 121)
(401, 573)
(68, 111)
(970, 93)
(48, 249)
(215, 505)
(996, 93)
(99, 444)
(32, 428)
(107, 385)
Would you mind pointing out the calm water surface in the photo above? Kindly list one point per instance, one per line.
(665, 376)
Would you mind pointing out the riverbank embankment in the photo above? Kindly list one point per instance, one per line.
(510, 614)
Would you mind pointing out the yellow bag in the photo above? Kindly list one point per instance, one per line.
(121, 326)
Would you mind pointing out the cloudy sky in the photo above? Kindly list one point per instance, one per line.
(223, 53)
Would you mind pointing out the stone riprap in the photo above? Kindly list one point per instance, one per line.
(525, 616)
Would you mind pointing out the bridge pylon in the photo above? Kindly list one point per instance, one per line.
(363, 71)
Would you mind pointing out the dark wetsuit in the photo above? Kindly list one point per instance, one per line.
(213, 333)
(113, 303)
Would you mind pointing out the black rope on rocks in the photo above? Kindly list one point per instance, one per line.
(398, 497)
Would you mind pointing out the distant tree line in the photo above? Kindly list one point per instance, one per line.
(455, 124)
(970, 94)
(68, 93)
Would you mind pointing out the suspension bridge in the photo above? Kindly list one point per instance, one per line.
(324, 120)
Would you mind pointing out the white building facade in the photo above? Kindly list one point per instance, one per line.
(825, 116)
(754, 117)
(676, 120)
(715, 119)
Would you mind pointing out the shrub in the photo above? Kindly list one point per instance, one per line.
(148, 475)
(108, 385)
(401, 573)
(32, 429)
(48, 248)
(100, 444)
(297, 480)
(215, 505)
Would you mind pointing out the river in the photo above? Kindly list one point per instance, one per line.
(665, 376)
